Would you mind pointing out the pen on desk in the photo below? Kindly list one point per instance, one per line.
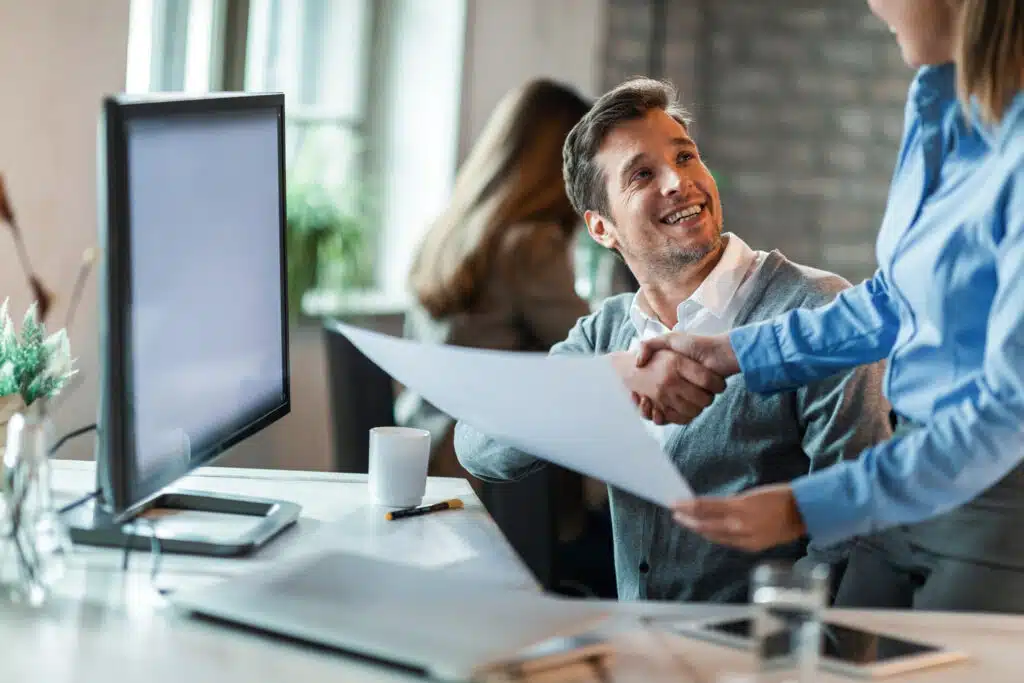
(453, 504)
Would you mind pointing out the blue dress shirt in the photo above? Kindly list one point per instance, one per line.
(946, 307)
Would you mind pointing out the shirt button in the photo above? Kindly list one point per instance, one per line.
(644, 567)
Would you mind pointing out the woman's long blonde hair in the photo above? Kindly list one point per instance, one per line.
(989, 55)
(513, 175)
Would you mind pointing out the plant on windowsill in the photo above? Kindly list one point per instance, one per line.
(328, 244)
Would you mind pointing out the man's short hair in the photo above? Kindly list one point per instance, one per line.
(584, 181)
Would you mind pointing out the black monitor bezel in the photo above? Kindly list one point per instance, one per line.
(117, 470)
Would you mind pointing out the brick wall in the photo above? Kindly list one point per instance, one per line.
(799, 107)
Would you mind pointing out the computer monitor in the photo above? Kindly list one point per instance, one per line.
(193, 311)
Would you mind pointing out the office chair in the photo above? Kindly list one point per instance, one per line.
(362, 397)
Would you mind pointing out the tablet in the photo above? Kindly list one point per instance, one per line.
(844, 649)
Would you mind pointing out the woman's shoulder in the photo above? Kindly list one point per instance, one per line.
(534, 245)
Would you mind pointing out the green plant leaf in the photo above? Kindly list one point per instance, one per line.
(328, 241)
(32, 364)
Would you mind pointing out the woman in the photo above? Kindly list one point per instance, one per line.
(495, 271)
(944, 499)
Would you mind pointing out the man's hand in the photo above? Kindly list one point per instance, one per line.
(760, 518)
(715, 353)
(675, 388)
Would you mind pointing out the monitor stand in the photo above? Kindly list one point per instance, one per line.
(91, 524)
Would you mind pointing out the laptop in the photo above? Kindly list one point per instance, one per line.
(445, 625)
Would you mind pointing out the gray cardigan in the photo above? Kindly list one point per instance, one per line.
(742, 440)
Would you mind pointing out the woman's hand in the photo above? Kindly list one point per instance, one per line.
(757, 519)
(714, 353)
(670, 388)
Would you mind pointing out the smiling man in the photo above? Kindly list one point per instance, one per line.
(635, 175)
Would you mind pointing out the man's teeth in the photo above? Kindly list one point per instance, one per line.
(683, 213)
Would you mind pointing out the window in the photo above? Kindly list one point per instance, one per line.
(363, 80)
(174, 45)
(316, 52)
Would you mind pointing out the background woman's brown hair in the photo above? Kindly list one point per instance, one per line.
(512, 176)
(989, 54)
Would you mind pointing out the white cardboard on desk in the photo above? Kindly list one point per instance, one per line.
(572, 411)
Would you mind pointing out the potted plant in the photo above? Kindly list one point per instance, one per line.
(33, 365)
(34, 368)
(328, 244)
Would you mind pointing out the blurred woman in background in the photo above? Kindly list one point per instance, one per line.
(495, 271)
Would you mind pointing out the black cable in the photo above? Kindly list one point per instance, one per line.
(55, 447)
(71, 435)
(127, 546)
(154, 550)
(78, 501)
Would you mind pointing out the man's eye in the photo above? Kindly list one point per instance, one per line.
(642, 174)
(684, 157)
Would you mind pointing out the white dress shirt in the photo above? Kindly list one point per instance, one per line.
(712, 307)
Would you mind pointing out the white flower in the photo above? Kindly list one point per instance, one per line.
(7, 335)
(58, 352)
(7, 385)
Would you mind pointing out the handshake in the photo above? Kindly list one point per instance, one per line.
(673, 378)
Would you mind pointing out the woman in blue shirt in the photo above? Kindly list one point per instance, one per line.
(941, 505)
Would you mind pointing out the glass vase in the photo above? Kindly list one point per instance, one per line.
(34, 542)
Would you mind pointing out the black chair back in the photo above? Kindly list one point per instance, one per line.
(362, 396)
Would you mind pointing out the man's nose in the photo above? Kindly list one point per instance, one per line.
(673, 182)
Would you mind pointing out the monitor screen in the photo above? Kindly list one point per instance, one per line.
(196, 291)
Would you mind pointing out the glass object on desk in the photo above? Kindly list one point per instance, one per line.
(788, 604)
(34, 542)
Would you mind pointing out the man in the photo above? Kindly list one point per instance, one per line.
(635, 175)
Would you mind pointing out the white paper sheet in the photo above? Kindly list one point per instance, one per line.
(570, 411)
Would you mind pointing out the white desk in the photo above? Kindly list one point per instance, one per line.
(110, 626)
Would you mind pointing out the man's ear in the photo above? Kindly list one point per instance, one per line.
(601, 229)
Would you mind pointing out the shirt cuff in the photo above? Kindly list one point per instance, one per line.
(827, 504)
(760, 357)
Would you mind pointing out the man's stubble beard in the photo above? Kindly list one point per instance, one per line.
(667, 265)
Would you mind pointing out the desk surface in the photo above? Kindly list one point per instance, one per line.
(107, 625)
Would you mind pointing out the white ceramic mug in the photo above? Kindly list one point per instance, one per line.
(398, 466)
